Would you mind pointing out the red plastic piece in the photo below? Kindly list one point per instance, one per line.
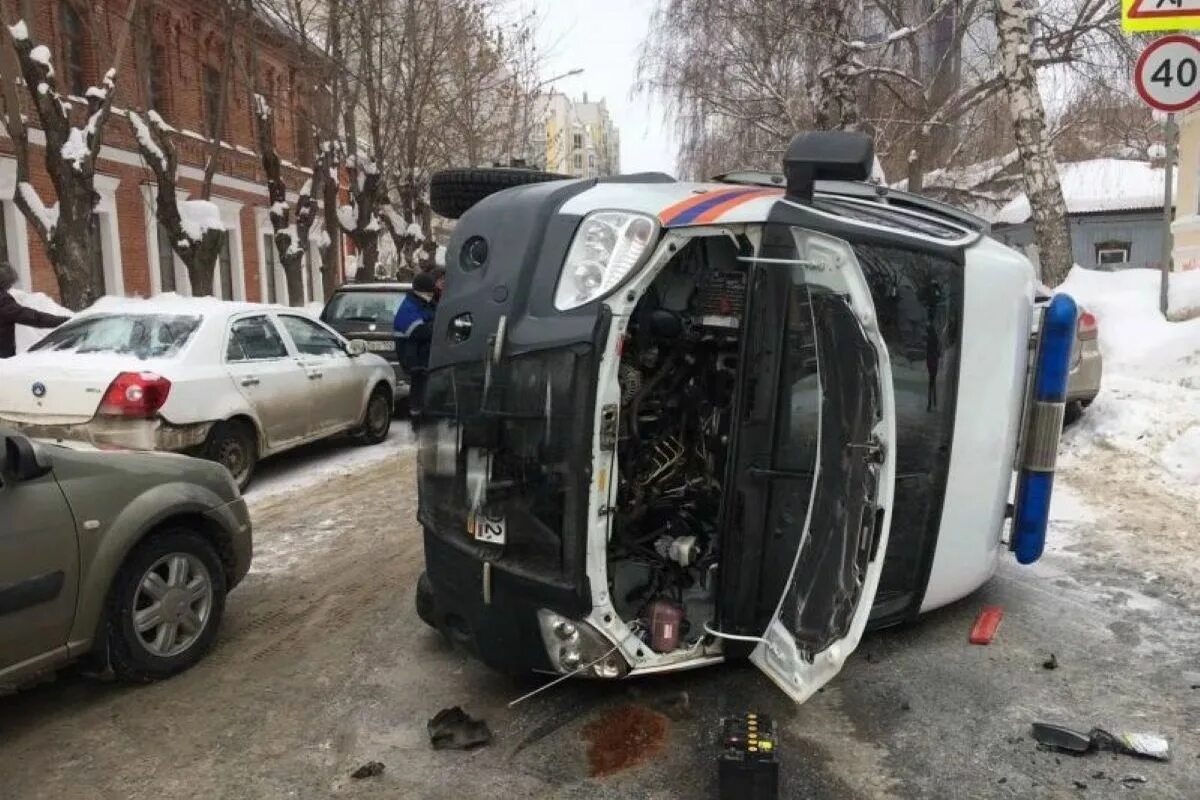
(986, 624)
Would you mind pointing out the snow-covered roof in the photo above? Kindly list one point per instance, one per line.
(1101, 184)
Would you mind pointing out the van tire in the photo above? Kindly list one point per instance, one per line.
(452, 192)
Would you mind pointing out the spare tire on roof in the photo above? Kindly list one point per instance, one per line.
(453, 191)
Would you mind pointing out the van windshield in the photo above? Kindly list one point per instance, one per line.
(141, 335)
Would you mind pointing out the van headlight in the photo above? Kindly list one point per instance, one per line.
(572, 644)
(608, 246)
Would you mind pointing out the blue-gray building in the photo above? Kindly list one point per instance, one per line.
(1114, 209)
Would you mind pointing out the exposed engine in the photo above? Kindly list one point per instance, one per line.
(678, 372)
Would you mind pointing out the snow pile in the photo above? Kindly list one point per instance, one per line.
(1183, 295)
(1101, 184)
(1149, 401)
(198, 216)
(169, 303)
(28, 337)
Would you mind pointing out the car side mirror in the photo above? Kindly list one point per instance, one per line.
(356, 348)
(20, 460)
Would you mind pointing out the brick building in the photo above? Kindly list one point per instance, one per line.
(172, 64)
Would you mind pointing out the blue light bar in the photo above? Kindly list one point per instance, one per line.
(1052, 369)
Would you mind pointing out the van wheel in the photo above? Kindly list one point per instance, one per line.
(165, 606)
(452, 192)
(377, 422)
(234, 446)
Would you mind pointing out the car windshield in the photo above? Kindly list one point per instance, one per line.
(377, 307)
(141, 335)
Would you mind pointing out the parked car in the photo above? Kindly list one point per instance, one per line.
(124, 557)
(670, 424)
(231, 382)
(1087, 364)
(366, 311)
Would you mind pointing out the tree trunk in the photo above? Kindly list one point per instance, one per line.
(1046, 203)
(368, 255)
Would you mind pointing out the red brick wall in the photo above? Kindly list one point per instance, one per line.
(191, 35)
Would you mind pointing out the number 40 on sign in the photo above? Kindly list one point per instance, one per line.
(1168, 72)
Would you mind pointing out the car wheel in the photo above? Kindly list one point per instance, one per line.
(233, 445)
(165, 606)
(378, 420)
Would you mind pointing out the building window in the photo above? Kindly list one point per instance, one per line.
(212, 99)
(578, 161)
(4, 234)
(268, 245)
(577, 141)
(156, 73)
(1112, 253)
(304, 153)
(225, 266)
(166, 260)
(72, 44)
(97, 255)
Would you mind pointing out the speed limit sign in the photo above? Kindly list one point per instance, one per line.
(1168, 73)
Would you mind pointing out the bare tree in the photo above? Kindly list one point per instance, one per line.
(64, 227)
(1047, 207)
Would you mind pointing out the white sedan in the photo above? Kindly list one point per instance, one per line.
(232, 382)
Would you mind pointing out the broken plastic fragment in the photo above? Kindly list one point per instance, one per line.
(454, 729)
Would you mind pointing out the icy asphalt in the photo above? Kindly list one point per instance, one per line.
(323, 666)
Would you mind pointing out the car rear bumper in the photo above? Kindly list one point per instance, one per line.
(128, 434)
(1083, 384)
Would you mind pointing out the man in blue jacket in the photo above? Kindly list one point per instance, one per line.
(413, 329)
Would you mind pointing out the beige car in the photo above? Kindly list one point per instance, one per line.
(125, 558)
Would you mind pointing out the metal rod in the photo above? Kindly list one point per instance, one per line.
(1169, 131)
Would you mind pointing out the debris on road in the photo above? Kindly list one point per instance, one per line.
(984, 629)
(370, 769)
(1051, 662)
(623, 738)
(1129, 780)
(1065, 740)
(454, 729)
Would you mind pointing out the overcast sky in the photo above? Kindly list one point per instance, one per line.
(602, 37)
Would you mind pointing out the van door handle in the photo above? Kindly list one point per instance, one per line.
(250, 381)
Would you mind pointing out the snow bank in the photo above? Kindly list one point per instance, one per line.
(1149, 401)
(1183, 295)
(169, 303)
(198, 216)
(28, 337)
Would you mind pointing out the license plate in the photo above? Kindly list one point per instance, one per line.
(381, 346)
(487, 528)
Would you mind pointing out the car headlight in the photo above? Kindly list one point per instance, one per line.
(606, 249)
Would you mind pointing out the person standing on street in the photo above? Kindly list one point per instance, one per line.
(13, 314)
(413, 329)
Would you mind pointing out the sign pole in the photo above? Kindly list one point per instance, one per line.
(1169, 132)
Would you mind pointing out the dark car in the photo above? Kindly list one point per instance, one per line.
(365, 311)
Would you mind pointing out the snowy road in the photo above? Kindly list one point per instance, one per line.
(323, 665)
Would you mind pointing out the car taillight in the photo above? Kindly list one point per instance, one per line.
(1086, 327)
(135, 394)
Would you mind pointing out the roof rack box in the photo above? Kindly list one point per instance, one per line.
(826, 155)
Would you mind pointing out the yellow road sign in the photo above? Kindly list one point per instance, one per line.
(1140, 16)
